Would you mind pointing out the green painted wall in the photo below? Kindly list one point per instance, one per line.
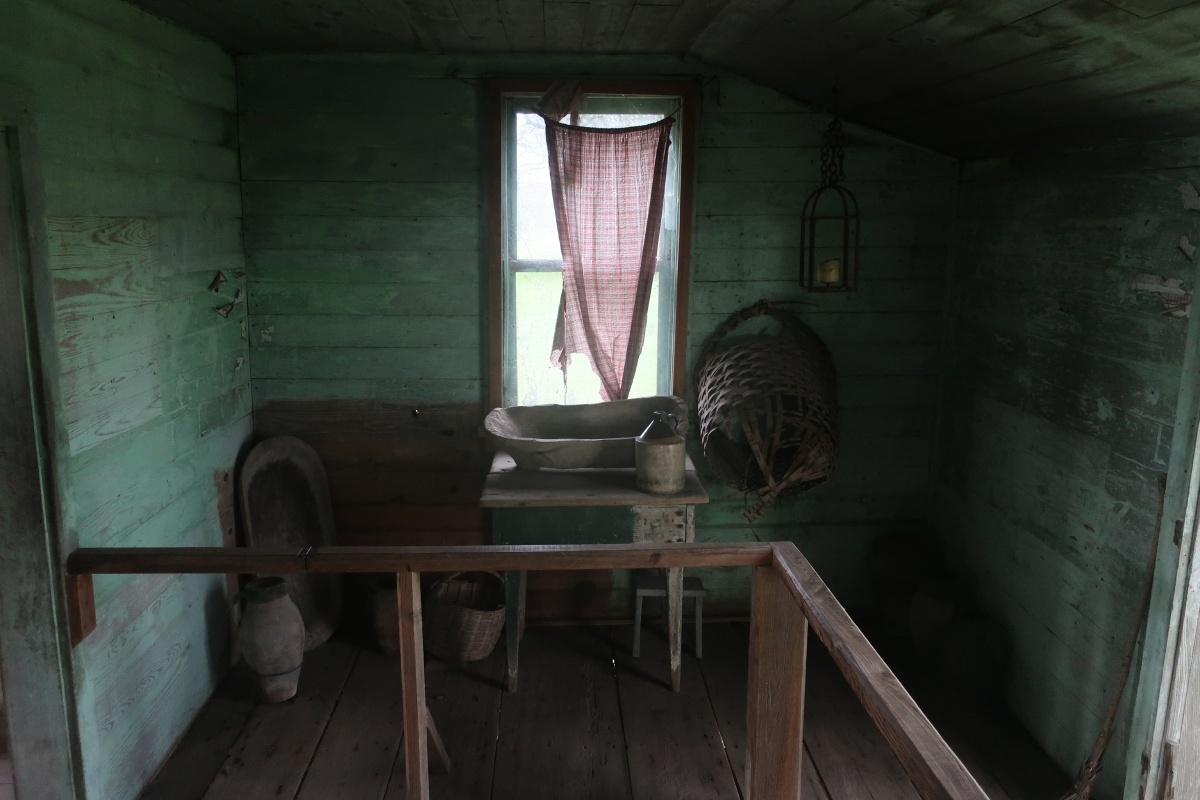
(1059, 403)
(364, 197)
(136, 122)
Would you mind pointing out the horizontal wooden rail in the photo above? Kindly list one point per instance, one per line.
(934, 769)
(496, 558)
(788, 597)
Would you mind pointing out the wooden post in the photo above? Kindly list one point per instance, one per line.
(675, 624)
(514, 620)
(775, 695)
(412, 686)
(81, 607)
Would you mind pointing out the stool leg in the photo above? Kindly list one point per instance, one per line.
(699, 627)
(637, 626)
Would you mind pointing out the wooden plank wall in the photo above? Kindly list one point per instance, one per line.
(364, 199)
(1060, 398)
(136, 122)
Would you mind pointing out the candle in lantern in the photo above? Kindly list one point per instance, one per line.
(830, 271)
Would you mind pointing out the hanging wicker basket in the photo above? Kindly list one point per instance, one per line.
(463, 615)
(768, 408)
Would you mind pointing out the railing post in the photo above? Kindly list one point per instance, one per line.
(775, 693)
(412, 686)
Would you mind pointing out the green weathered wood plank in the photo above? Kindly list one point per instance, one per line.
(366, 363)
(753, 198)
(200, 74)
(783, 230)
(803, 160)
(446, 391)
(141, 713)
(348, 85)
(147, 493)
(417, 132)
(414, 299)
(157, 244)
(78, 190)
(364, 266)
(898, 327)
(120, 150)
(364, 233)
(97, 386)
(69, 93)
(725, 297)
(201, 54)
(339, 199)
(783, 263)
(337, 163)
(400, 333)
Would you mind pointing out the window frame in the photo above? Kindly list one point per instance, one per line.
(497, 89)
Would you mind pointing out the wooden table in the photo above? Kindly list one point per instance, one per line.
(610, 509)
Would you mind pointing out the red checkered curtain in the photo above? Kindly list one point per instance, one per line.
(608, 198)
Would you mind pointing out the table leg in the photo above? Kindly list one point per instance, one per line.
(514, 584)
(675, 623)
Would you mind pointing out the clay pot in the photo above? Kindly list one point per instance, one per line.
(272, 638)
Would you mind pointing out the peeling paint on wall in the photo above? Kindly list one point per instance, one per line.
(1175, 301)
(266, 334)
(1191, 197)
(239, 297)
(1188, 248)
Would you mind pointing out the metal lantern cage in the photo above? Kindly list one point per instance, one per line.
(829, 224)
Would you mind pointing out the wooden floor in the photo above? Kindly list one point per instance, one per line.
(589, 721)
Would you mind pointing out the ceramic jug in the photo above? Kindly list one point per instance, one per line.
(272, 638)
(659, 455)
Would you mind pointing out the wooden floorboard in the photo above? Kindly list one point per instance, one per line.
(206, 744)
(560, 732)
(273, 752)
(360, 742)
(672, 739)
(588, 721)
(464, 703)
(852, 759)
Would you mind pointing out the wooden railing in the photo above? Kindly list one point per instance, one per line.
(787, 597)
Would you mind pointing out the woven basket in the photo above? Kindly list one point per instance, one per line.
(463, 615)
(768, 408)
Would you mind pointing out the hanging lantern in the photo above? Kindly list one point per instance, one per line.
(829, 224)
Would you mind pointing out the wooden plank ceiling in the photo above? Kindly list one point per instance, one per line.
(968, 77)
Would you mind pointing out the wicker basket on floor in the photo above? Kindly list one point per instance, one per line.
(463, 615)
(768, 407)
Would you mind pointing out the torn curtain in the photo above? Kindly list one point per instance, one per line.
(608, 198)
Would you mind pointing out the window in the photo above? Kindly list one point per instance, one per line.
(527, 263)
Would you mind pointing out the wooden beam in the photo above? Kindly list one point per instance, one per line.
(412, 687)
(157, 560)
(496, 558)
(81, 607)
(775, 690)
(936, 772)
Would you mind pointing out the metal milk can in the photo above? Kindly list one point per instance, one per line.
(659, 456)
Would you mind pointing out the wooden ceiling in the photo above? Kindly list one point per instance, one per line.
(973, 77)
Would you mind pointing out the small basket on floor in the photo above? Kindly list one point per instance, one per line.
(463, 616)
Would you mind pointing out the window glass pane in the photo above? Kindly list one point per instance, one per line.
(538, 381)
(536, 234)
(534, 261)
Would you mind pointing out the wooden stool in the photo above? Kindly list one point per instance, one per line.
(656, 586)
